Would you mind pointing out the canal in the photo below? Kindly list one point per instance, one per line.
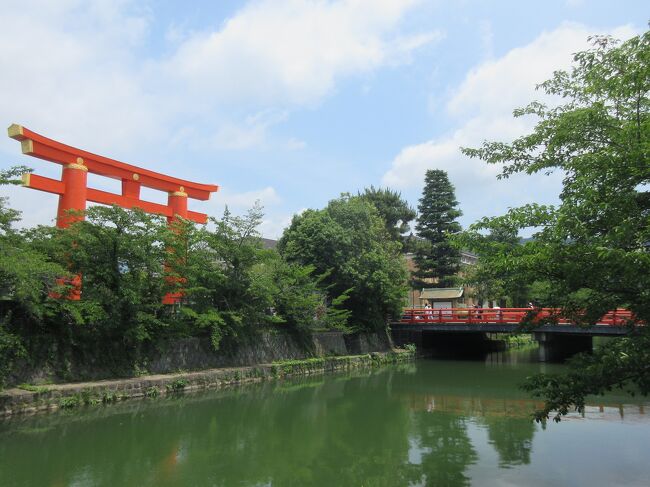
(428, 423)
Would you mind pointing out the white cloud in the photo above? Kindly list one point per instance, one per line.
(295, 144)
(37, 208)
(81, 71)
(293, 51)
(482, 108)
(251, 133)
(68, 69)
(273, 226)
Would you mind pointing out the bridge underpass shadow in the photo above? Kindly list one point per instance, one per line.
(552, 347)
(468, 346)
(558, 348)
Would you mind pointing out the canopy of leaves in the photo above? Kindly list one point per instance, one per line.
(348, 244)
(26, 276)
(392, 208)
(236, 287)
(591, 253)
(128, 260)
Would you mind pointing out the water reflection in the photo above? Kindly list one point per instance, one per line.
(512, 438)
(434, 423)
(444, 447)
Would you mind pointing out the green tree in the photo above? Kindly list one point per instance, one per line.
(25, 275)
(120, 255)
(590, 254)
(435, 257)
(222, 291)
(26, 278)
(235, 287)
(296, 297)
(231, 286)
(492, 281)
(392, 208)
(347, 243)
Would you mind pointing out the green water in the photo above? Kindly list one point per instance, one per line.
(427, 423)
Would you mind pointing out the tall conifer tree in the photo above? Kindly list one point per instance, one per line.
(435, 257)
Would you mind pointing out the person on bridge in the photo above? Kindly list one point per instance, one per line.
(498, 313)
(428, 312)
(479, 311)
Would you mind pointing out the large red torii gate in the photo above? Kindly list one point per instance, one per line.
(74, 193)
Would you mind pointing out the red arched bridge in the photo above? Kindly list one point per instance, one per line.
(463, 328)
(509, 319)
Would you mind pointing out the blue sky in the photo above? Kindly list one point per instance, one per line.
(290, 102)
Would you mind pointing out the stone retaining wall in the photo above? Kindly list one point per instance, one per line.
(197, 354)
(67, 396)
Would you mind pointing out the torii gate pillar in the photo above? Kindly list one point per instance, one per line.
(74, 197)
(177, 202)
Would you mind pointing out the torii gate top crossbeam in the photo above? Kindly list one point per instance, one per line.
(132, 177)
(39, 146)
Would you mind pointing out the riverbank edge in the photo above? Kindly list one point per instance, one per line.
(71, 395)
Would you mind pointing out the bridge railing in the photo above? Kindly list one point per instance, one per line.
(618, 317)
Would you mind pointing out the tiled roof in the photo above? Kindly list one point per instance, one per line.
(441, 293)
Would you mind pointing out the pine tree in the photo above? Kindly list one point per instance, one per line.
(435, 257)
(395, 211)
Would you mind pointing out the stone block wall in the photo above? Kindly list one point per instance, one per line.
(194, 353)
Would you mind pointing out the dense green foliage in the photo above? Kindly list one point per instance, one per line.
(591, 253)
(349, 245)
(487, 278)
(395, 211)
(25, 276)
(437, 260)
(129, 260)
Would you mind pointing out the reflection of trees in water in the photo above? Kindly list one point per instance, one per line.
(446, 449)
(442, 434)
(342, 433)
(315, 431)
(512, 438)
(336, 432)
(365, 438)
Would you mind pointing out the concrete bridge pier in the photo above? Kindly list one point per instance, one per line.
(559, 346)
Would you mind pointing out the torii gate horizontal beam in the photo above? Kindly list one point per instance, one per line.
(55, 186)
(132, 177)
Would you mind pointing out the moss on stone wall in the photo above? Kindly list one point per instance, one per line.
(88, 394)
